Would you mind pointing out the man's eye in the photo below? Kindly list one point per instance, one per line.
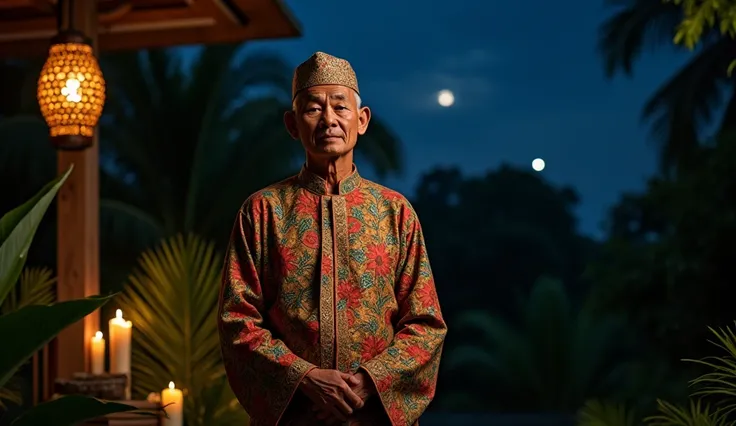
(314, 109)
(340, 107)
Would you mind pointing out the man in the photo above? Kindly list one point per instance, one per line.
(328, 310)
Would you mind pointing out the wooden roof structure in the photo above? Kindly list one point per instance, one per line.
(27, 25)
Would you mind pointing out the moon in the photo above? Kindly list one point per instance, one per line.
(445, 98)
(538, 164)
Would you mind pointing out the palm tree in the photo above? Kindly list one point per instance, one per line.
(553, 361)
(183, 147)
(693, 97)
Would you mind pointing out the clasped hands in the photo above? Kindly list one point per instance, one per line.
(336, 395)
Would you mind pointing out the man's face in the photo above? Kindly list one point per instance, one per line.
(327, 120)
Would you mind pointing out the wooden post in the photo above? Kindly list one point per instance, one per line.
(78, 246)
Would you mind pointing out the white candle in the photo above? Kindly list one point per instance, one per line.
(120, 332)
(175, 411)
(98, 354)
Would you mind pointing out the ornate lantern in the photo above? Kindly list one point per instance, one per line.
(71, 91)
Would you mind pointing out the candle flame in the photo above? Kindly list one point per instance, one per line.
(119, 314)
(171, 385)
(98, 335)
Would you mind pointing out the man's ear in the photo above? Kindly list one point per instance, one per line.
(290, 123)
(364, 117)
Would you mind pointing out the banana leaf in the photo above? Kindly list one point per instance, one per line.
(17, 229)
(30, 328)
(70, 410)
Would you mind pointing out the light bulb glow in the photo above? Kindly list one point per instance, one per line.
(538, 164)
(71, 90)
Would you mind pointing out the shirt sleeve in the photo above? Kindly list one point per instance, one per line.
(405, 373)
(262, 371)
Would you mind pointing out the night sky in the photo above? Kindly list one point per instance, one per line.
(527, 79)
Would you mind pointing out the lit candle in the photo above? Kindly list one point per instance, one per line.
(120, 332)
(175, 411)
(98, 354)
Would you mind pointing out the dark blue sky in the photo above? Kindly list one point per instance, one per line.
(527, 80)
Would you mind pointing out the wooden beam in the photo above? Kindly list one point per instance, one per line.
(78, 246)
(38, 4)
(126, 28)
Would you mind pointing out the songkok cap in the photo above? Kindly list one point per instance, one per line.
(321, 69)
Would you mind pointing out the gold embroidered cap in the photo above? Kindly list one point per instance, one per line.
(321, 69)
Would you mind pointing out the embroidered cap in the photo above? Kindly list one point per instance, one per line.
(321, 69)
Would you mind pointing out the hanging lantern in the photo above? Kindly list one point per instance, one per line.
(71, 91)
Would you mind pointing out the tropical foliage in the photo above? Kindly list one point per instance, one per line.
(44, 321)
(712, 403)
(35, 287)
(697, 98)
(552, 362)
(701, 16)
(172, 300)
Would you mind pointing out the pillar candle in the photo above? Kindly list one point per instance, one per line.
(98, 354)
(175, 411)
(120, 333)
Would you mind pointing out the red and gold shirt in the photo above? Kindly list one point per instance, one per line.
(338, 281)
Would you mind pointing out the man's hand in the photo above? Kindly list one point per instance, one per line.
(364, 388)
(331, 393)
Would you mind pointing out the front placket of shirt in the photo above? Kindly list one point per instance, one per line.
(334, 269)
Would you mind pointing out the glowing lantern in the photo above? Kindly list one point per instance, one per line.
(71, 91)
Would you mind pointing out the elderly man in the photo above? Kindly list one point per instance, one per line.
(328, 310)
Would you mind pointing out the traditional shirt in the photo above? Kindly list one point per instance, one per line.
(335, 281)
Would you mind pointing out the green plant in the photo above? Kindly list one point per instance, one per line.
(702, 16)
(35, 287)
(172, 300)
(697, 413)
(556, 359)
(32, 326)
(604, 413)
(718, 382)
(721, 380)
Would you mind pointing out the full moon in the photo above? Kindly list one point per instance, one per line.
(538, 164)
(445, 98)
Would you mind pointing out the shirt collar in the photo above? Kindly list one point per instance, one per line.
(316, 184)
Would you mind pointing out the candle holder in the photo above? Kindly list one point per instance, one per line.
(103, 386)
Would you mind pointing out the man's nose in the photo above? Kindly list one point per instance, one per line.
(328, 117)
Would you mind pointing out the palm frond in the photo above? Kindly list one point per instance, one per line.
(601, 413)
(697, 413)
(721, 379)
(172, 300)
(10, 394)
(689, 101)
(636, 24)
(35, 287)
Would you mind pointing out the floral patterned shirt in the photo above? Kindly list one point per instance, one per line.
(341, 281)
